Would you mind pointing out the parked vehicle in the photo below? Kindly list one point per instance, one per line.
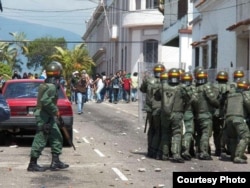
(21, 95)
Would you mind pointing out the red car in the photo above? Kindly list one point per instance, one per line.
(21, 95)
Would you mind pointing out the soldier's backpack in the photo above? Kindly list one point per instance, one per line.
(168, 98)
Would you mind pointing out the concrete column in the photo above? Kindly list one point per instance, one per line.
(143, 4)
(132, 5)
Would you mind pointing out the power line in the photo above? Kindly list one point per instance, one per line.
(74, 42)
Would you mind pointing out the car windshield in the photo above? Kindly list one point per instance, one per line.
(24, 90)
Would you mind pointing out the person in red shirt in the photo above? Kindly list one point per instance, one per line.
(127, 86)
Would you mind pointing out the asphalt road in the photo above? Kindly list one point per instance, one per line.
(110, 152)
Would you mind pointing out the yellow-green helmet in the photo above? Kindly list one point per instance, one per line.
(243, 84)
(174, 76)
(54, 69)
(164, 76)
(197, 69)
(187, 78)
(158, 69)
(238, 74)
(201, 77)
(222, 76)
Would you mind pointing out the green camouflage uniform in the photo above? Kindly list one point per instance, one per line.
(188, 136)
(237, 132)
(218, 117)
(152, 107)
(172, 119)
(44, 114)
(204, 109)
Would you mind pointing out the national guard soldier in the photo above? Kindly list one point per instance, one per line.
(152, 107)
(222, 88)
(237, 132)
(188, 119)
(47, 128)
(174, 100)
(207, 102)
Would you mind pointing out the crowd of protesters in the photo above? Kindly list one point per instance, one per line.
(114, 88)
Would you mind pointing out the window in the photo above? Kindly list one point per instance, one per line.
(197, 56)
(151, 4)
(150, 51)
(214, 50)
(138, 5)
(205, 56)
(182, 8)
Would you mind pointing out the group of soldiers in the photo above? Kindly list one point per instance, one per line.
(184, 110)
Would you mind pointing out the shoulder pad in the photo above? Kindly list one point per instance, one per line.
(151, 80)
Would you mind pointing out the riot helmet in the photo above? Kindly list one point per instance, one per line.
(243, 84)
(158, 69)
(222, 76)
(187, 78)
(238, 74)
(174, 76)
(164, 77)
(54, 69)
(197, 69)
(182, 71)
(201, 77)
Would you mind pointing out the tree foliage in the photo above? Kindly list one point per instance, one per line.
(72, 60)
(5, 70)
(40, 50)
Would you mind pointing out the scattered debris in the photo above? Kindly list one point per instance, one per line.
(142, 170)
(157, 169)
(14, 146)
(159, 186)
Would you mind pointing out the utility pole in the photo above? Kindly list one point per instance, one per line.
(1, 7)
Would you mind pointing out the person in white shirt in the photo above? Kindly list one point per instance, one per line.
(134, 86)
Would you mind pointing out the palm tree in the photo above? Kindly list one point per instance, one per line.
(71, 60)
(8, 54)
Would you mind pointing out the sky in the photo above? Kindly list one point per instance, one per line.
(41, 18)
(69, 15)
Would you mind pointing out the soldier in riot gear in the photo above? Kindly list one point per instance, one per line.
(237, 132)
(238, 74)
(207, 102)
(174, 100)
(221, 88)
(152, 107)
(188, 119)
(47, 128)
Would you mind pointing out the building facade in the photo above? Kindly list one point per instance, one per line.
(127, 35)
(221, 35)
(177, 30)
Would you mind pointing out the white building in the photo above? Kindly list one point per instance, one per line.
(127, 35)
(221, 35)
(177, 31)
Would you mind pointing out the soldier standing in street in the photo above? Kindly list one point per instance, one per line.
(237, 132)
(174, 101)
(222, 88)
(152, 107)
(207, 102)
(47, 128)
(188, 136)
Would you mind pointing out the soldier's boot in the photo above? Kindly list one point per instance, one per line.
(186, 148)
(239, 153)
(204, 155)
(150, 153)
(34, 167)
(232, 145)
(176, 150)
(56, 163)
(158, 155)
(165, 153)
(248, 149)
